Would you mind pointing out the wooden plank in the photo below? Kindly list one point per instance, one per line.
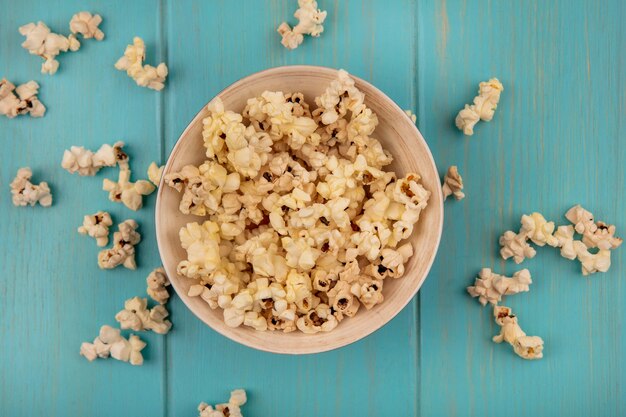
(556, 140)
(52, 294)
(222, 42)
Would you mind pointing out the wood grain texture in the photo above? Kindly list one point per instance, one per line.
(557, 139)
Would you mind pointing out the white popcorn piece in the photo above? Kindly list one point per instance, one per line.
(590, 262)
(87, 25)
(538, 230)
(127, 192)
(138, 317)
(483, 108)
(489, 287)
(411, 115)
(46, 44)
(123, 250)
(293, 199)
(453, 184)
(144, 75)
(231, 409)
(157, 283)
(595, 234)
(97, 226)
(155, 173)
(565, 236)
(310, 22)
(20, 100)
(26, 193)
(526, 347)
(111, 343)
(87, 163)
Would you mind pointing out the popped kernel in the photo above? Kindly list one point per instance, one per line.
(144, 75)
(310, 22)
(483, 108)
(87, 25)
(21, 100)
(26, 193)
(489, 287)
(453, 184)
(123, 250)
(97, 226)
(110, 343)
(526, 347)
(230, 409)
(41, 41)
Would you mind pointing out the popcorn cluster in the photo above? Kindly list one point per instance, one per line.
(123, 250)
(595, 235)
(489, 287)
(144, 75)
(453, 184)
(26, 193)
(41, 41)
(230, 409)
(87, 163)
(483, 108)
(310, 22)
(296, 201)
(111, 343)
(21, 100)
(138, 317)
(97, 226)
(527, 347)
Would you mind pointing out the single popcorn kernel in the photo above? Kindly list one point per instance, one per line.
(20, 100)
(110, 343)
(310, 22)
(97, 226)
(230, 409)
(41, 41)
(483, 108)
(292, 199)
(26, 193)
(453, 184)
(526, 347)
(144, 75)
(123, 250)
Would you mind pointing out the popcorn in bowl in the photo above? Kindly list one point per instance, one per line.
(301, 224)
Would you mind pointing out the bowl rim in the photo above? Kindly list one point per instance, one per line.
(438, 194)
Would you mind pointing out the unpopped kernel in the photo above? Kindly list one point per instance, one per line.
(295, 199)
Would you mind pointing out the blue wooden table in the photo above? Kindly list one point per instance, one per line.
(557, 139)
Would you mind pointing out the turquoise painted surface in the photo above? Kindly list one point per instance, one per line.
(556, 140)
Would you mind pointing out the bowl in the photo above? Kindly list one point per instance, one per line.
(397, 133)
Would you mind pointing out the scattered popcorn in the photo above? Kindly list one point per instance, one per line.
(453, 184)
(123, 250)
(595, 234)
(97, 226)
(86, 162)
(127, 192)
(294, 199)
(154, 173)
(157, 282)
(20, 100)
(516, 246)
(490, 287)
(310, 22)
(41, 41)
(111, 343)
(26, 193)
(526, 347)
(138, 317)
(230, 409)
(484, 106)
(534, 228)
(144, 75)
(411, 115)
(87, 25)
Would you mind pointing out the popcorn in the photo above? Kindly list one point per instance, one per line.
(123, 250)
(20, 100)
(97, 226)
(127, 192)
(88, 163)
(538, 230)
(137, 316)
(411, 115)
(155, 173)
(87, 25)
(26, 193)
(592, 263)
(310, 22)
(293, 199)
(565, 237)
(453, 184)
(526, 347)
(157, 282)
(111, 343)
(595, 234)
(490, 287)
(41, 41)
(144, 75)
(484, 106)
(230, 409)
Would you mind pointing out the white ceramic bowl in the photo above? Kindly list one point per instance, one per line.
(398, 135)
